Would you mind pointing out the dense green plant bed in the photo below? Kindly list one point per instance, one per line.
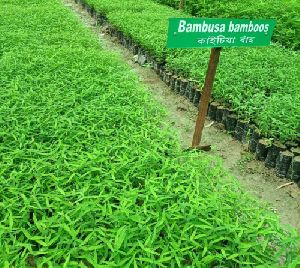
(286, 13)
(89, 176)
(255, 82)
(261, 84)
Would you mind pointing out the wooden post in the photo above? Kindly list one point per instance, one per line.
(181, 4)
(206, 94)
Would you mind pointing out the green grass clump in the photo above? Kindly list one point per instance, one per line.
(89, 175)
(285, 12)
(250, 80)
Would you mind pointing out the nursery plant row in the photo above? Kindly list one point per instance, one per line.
(285, 12)
(285, 158)
(260, 84)
(91, 177)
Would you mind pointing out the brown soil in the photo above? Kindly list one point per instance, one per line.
(253, 175)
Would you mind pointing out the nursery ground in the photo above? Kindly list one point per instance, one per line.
(255, 178)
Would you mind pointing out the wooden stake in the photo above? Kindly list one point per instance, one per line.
(181, 5)
(206, 94)
(284, 185)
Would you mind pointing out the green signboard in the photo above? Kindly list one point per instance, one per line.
(202, 32)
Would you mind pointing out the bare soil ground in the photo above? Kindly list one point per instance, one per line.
(253, 175)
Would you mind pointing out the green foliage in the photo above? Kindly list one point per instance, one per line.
(144, 21)
(90, 177)
(250, 80)
(261, 84)
(285, 12)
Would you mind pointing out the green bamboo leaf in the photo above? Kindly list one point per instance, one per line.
(73, 233)
(120, 236)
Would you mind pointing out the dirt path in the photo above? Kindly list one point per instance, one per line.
(255, 178)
